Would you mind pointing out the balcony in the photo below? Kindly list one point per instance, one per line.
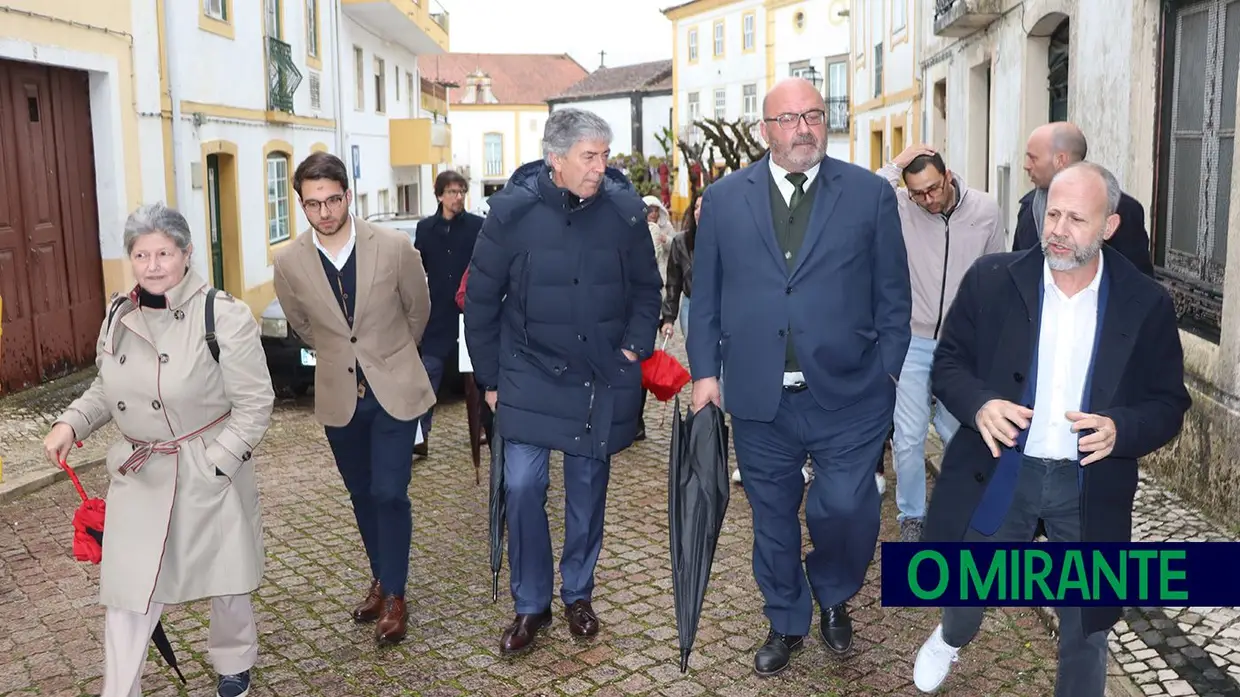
(837, 114)
(420, 26)
(283, 77)
(415, 142)
(960, 18)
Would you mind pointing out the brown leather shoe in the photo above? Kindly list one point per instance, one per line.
(392, 623)
(368, 610)
(520, 634)
(582, 621)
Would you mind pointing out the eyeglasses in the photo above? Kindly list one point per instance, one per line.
(926, 193)
(332, 203)
(790, 121)
(453, 192)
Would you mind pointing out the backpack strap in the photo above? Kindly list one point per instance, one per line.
(116, 306)
(212, 343)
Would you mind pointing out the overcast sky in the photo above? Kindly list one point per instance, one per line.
(630, 31)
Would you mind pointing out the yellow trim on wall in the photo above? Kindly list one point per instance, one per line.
(770, 46)
(219, 27)
(315, 62)
(696, 7)
(676, 176)
(165, 107)
(230, 213)
(236, 113)
(516, 137)
(899, 121)
(285, 148)
(503, 156)
(541, 108)
(319, 147)
(718, 39)
(887, 100)
(751, 15)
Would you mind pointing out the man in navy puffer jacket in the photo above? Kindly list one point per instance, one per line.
(561, 307)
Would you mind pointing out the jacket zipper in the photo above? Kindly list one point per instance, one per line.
(590, 409)
(947, 246)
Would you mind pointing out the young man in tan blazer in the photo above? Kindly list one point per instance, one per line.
(357, 294)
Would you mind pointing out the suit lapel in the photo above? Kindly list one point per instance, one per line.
(1116, 335)
(828, 194)
(312, 266)
(367, 260)
(759, 198)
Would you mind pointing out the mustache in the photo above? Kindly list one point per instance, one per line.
(805, 139)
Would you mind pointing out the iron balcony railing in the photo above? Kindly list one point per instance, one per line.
(837, 114)
(283, 77)
(439, 14)
(941, 7)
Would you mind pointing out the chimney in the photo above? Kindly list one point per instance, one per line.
(473, 82)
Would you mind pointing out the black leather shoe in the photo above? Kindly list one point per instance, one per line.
(775, 654)
(519, 636)
(836, 628)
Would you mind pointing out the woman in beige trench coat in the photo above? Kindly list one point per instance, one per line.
(183, 519)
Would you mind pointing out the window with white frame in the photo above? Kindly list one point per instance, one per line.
(899, 16)
(718, 47)
(380, 86)
(747, 31)
(359, 79)
(279, 217)
(493, 154)
(271, 15)
(693, 44)
(695, 113)
(721, 103)
(312, 28)
(217, 9)
(749, 99)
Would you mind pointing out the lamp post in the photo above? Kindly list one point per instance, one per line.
(811, 74)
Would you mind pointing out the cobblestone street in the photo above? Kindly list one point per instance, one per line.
(52, 643)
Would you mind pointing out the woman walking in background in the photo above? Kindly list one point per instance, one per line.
(183, 517)
(678, 276)
(661, 233)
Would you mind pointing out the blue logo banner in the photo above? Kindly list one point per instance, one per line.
(1060, 574)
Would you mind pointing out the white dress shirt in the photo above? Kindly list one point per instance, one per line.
(1065, 350)
(339, 260)
(780, 175)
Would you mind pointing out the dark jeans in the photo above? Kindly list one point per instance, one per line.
(1046, 491)
(434, 366)
(374, 454)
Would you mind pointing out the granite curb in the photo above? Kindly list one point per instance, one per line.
(34, 481)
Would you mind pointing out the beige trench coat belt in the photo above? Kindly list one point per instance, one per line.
(144, 449)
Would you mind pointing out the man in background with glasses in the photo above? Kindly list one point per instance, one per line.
(446, 241)
(801, 295)
(947, 226)
(356, 293)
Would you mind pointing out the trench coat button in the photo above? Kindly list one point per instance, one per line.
(122, 359)
(353, 340)
(155, 404)
(979, 477)
(246, 456)
(177, 314)
(163, 358)
(1018, 377)
(120, 406)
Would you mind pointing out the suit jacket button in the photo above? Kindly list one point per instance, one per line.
(353, 340)
(979, 477)
(788, 290)
(782, 332)
(350, 370)
(1018, 377)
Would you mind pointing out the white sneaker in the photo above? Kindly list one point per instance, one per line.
(934, 662)
(736, 476)
(882, 483)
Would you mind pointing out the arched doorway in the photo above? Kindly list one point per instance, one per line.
(1057, 73)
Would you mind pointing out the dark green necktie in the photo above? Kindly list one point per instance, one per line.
(798, 180)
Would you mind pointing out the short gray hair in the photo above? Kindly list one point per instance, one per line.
(567, 127)
(1112, 184)
(1068, 138)
(156, 217)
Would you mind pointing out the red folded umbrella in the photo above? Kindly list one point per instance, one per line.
(663, 375)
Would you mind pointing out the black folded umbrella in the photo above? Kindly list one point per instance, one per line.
(158, 637)
(498, 510)
(697, 499)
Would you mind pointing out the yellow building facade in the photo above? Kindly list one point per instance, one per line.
(886, 91)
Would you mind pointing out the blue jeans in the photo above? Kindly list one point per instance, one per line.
(530, 560)
(912, 425)
(684, 317)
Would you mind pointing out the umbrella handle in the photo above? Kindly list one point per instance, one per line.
(665, 338)
(77, 484)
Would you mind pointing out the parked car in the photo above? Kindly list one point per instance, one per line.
(291, 361)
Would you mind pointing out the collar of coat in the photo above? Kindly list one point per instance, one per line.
(179, 294)
(526, 188)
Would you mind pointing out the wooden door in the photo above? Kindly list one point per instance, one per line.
(216, 233)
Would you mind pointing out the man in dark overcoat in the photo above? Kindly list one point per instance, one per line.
(1067, 361)
(561, 307)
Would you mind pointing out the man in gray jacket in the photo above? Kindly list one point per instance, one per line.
(947, 226)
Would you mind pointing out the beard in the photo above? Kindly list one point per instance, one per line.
(329, 226)
(1077, 256)
(799, 158)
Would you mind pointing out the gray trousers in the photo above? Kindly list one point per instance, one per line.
(1046, 490)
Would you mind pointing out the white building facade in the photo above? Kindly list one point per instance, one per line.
(728, 53)
(886, 93)
(635, 99)
(1153, 86)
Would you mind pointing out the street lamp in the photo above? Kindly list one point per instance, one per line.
(811, 74)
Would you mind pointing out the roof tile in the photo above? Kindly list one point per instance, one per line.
(516, 78)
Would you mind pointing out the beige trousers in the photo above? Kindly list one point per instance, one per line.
(232, 646)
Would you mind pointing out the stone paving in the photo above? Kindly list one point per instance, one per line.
(51, 643)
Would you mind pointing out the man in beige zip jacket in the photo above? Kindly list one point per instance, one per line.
(947, 226)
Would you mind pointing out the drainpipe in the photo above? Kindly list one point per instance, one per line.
(337, 91)
(174, 96)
